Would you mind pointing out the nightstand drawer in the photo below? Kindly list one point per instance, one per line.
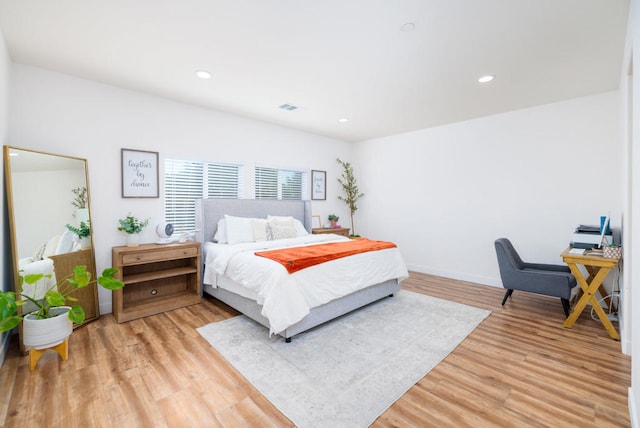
(162, 254)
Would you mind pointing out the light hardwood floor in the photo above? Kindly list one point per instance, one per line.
(520, 367)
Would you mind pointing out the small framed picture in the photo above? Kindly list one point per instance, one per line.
(318, 185)
(140, 174)
(315, 222)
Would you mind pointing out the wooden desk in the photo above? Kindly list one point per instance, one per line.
(598, 268)
(344, 231)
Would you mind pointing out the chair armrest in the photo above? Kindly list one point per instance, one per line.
(547, 267)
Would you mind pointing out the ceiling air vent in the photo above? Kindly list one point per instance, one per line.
(288, 107)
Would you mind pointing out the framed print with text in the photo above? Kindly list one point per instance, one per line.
(318, 185)
(139, 174)
(315, 222)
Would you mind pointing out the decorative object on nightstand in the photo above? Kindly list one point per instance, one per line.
(333, 219)
(351, 191)
(164, 232)
(157, 278)
(132, 227)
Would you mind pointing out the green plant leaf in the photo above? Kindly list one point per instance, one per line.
(8, 305)
(54, 298)
(110, 283)
(32, 278)
(9, 323)
(81, 278)
(76, 314)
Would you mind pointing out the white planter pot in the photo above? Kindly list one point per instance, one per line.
(48, 332)
(82, 214)
(133, 239)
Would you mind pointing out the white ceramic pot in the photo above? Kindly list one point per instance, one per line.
(48, 332)
(133, 239)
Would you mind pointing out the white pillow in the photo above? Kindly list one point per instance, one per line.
(281, 228)
(38, 254)
(299, 227)
(301, 231)
(65, 244)
(52, 245)
(239, 229)
(221, 232)
(259, 227)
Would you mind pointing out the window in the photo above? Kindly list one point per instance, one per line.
(185, 181)
(274, 183)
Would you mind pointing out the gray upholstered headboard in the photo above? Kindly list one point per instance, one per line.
(209, 211)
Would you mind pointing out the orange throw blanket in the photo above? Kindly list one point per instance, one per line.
(298, 258)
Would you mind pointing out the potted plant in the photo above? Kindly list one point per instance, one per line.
(351, 191)
(82, 232)
(81, 203)
(333, 219)
(47, 325)
(132, 227)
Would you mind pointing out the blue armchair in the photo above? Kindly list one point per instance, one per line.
(549, 280)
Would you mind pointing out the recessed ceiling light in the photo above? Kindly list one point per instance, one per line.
(343, 120)
(408, 27)
(485, 79)
(203, 74)
(288, 107)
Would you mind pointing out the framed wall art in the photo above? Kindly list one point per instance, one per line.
(140, 174)
(318, 185)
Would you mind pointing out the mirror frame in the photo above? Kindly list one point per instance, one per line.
(10, 209)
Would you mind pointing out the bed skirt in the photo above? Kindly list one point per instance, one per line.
(316, 316)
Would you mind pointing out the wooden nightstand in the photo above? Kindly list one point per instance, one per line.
(157, 278)
(344, 231)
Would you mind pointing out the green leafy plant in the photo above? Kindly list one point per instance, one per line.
(351, 192)
(80, 200)
(333, 217)
(54, 297)
(132, 225)
(83, 231)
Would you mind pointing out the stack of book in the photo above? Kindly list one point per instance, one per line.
(589, 237)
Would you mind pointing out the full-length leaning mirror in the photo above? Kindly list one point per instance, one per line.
(46, 193)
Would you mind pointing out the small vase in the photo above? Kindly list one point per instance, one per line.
(48, 332)
(133, 240)
(333, 223)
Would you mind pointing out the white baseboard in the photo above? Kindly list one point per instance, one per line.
(457, 275)
(633, 411)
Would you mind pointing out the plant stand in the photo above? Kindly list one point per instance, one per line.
(35, 354)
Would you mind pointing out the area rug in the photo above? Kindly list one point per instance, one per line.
(347, 372)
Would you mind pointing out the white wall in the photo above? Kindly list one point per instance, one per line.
(630, 129)
(65, 115)
(445, 194)
(4, 132)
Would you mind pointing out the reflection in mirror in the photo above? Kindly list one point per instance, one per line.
(48, 202)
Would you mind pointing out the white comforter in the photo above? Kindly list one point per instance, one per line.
(287, 298)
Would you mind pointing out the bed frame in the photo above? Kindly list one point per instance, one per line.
(209, 211)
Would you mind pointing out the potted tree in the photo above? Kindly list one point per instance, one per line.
(51, 322)
(132, 227)
(351, 191)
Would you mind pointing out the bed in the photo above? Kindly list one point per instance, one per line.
(341, 285)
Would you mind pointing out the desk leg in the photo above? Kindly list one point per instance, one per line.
(589, 295)
(593, 270)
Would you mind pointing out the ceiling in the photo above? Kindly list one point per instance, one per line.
(333, 59)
